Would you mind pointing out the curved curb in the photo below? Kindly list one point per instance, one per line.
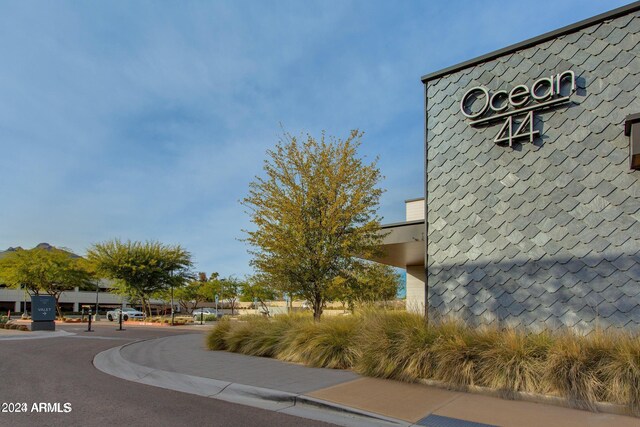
(111, 362)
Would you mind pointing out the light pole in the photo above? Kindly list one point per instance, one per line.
(24, 302)
(97, 293)
(120, 315)
(172, 313)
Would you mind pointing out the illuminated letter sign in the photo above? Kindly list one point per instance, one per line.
(516, 106)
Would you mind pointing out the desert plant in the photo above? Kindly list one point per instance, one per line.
(395, 345)
(455, 354)
(511, 360)
(620, 371)
(403, 346)
(572, 367)
(216, 338)
(330, 343)
(239, 338)
(266, 335)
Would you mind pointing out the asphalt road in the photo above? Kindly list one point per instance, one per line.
(60, 370)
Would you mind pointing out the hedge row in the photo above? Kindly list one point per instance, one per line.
(601, 367)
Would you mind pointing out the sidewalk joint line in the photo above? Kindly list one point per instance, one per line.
(454, 398)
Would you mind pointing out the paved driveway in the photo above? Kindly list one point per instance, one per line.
(59, 370)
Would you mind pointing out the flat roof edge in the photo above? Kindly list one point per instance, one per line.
(402, 224)
(623, 10)
(415, 199)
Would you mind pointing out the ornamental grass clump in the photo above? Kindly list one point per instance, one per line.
(455, 354)
(512, 361)
(600, 367)
(239, 337)
(573, 365)
(330, 343)
(216, 339)
(620, 372)
(395, 345)
(259, 336)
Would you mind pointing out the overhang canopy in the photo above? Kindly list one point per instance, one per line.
(403, 244)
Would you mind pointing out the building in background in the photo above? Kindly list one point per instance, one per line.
(16, 300)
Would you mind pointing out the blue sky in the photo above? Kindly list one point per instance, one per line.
(147, 120)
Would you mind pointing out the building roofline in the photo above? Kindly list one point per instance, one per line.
(402, 224)
(416, 199)
(624, 10)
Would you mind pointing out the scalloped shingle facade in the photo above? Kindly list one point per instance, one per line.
(544, 234)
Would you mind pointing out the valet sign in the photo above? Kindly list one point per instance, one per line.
(516, 107)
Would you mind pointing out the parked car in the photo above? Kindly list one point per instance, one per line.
(127, 313)
(204, 312)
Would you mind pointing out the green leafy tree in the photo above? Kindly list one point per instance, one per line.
(191, 294)
(258, 289)
(194, 292)
(370, 283)
(50, 271)
(314, 210)
(142, 269)
(229, 290)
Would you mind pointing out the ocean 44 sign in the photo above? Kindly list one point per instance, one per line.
(516, 107)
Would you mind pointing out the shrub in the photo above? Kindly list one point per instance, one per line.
(327, 344)
(216, 338)
(512, 361)
(403, 346)
(264, 337)
(620, 371)
(240, 340)
(455, 354)
(572, 367)
(395, 345)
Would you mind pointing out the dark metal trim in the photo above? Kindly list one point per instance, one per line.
(414, 200)
(631, 119)
(402, 224)
(426, 208)
(612, 14)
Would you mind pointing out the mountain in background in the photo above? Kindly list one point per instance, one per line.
(45, 246)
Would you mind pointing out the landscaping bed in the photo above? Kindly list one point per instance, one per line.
(583, 370)
(5, 323)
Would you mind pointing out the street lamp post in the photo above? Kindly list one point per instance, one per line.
(120, 315)
(97, 293)
(172, 311)
(24, 302)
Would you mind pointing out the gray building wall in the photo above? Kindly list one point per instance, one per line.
(544, 234)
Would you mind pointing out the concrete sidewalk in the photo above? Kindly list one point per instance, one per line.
(340, 397)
